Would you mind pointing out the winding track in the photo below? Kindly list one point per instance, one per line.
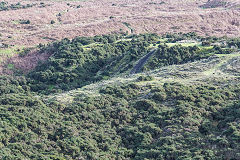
(137, 68)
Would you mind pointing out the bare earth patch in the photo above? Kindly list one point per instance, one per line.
(24, 63)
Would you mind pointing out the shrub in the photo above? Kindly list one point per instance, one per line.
(160, 96)
(24, 22)
(144, 105)
(145, 78)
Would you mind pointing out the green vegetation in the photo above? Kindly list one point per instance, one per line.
(9, 51)
(129, 27)
(52, 22)
(83, 103)
(170, 121)
(73, 65)
(22, 21)
(5, 6)
(81, 61)
(214, 4)
(176, 55)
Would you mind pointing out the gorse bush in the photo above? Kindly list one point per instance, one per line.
(73, 64)
(145, 78)
(24, 21)
(5, 6)
(83, 60)
(142, 118)
(175, 55)
(132, 121)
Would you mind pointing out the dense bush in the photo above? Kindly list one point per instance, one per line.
(73, 64)
(22, 21)
(172, 38)
(170, 121)
(4, 6)
(235, 42)
(83, 60)
(175, 55)
(145, 78)
(142, 119)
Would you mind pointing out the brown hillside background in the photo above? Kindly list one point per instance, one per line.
(94, 17)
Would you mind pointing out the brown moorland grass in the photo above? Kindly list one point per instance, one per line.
(94, 17)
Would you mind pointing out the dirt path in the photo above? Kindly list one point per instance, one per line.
(137, 68)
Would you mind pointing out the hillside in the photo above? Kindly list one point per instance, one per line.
(45, 21)
(85, 102)
(119, 80)
(28, 23)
